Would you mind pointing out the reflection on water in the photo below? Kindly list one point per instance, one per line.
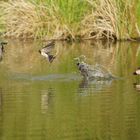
(49, 77)
(137, 86)
(94, 85)
(46, 96)
(39, 100)
(0, 98)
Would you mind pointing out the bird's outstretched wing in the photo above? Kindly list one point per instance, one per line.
(50, 45)
(51, 58)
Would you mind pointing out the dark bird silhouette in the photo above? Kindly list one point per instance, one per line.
(47, 51)
(137, 72)
(2, 44)
(93, 72)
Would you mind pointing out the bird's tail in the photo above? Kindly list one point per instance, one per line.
(51, 58)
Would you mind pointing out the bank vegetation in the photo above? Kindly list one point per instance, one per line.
(70, 19)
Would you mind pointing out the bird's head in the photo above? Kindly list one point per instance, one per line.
(77, 61)
(80, 59)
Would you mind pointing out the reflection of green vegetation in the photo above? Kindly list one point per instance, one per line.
(61, 19)
(118, 58)
(57, 110)
(67, 113)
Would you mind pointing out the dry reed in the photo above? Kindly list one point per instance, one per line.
(105, 19)
(110, 19)
(101, 23)
(23, 19)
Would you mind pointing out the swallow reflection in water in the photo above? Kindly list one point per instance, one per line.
(47, 51)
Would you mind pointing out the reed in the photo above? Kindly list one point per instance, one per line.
(20, 19)
(42, 19)
(110, 19)
(69, 19)
(127, 19)
(23, 19)
(70, 12)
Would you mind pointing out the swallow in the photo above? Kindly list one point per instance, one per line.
(47, 51)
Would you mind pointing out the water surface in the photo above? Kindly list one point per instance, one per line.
(43, 101)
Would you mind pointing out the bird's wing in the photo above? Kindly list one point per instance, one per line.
(51, 58)
(47, 48)
(50, 44)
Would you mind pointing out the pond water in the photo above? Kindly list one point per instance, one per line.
(43, 101)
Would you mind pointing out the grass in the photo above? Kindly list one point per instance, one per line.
(127, 19)
(111, 19)
(101, 23)
(25, 19)
(70, 19)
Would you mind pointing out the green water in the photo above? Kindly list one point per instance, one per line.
(42, 101)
